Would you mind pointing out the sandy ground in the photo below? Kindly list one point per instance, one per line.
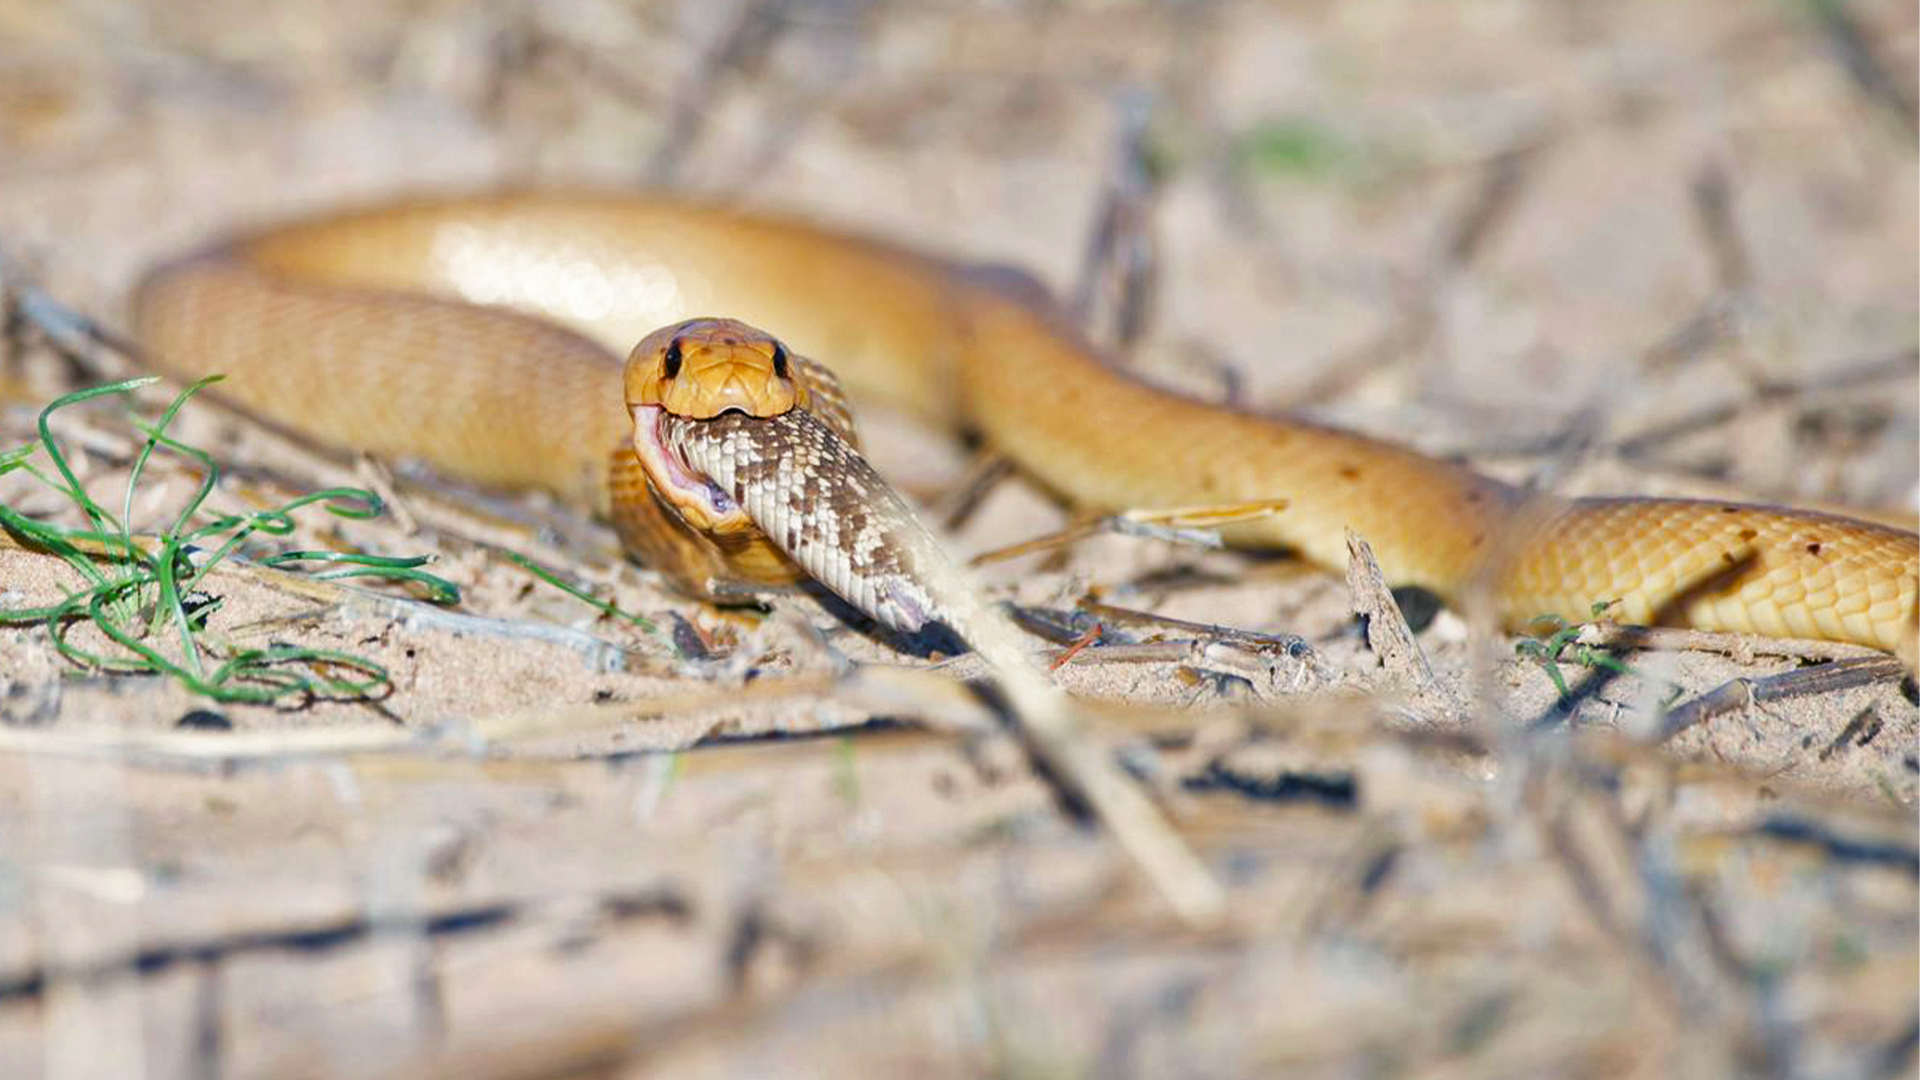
(1629, 247)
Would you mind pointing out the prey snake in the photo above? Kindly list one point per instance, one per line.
(481, 334)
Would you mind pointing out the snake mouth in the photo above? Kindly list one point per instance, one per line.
(697, 498)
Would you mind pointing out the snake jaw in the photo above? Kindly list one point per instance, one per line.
(697, 499)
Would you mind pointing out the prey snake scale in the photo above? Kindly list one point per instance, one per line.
(481, 335)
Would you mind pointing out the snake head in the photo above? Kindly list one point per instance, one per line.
(702, 368)
(694, 371)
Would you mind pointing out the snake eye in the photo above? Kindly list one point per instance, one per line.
(780, 360)
(671, 361)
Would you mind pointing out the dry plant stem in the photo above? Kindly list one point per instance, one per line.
(341, 929)
(1694, 335)
(1079, 645)
(1865, 373)
(958, 505)
(1114, 295)
(1176, 525)
(1409, 332)
(1713, 199)
(596, 653)
(1740, 693)
(1720, 315)
(754, 30)
(374, 474)
(1388, 634)
(1462, 237)
(1176, 651)
(1057, 732)
(1853, 49)
(1250, 640)
(78, 340)
(1068, 536)
(1630, 893)
(1491, 204)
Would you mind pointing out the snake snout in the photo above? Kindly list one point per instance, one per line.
(711, 386)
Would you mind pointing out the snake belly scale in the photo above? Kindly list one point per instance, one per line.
(482, 334)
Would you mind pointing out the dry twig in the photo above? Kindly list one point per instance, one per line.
(1388, 634)
(1291, 645)
(1193, 525)
(1824, 679)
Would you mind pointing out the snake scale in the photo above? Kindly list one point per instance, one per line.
(481, 334)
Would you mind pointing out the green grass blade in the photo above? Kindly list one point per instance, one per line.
(438, 590)
(606, 608)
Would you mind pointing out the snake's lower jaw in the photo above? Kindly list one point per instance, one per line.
(698, 500)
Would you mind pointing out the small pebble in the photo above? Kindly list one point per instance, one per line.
(204, 720)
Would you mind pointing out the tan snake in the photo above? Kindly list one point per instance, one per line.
(480, 334)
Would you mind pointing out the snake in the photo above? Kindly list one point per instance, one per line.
(483, 335)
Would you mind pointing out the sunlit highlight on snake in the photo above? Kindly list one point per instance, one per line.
(482, 335)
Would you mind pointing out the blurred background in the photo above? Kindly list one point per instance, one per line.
(1626, 245)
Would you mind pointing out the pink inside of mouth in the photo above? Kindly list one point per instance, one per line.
(676, 479)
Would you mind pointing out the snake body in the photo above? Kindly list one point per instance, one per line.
(801, 482)
(481, 334)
